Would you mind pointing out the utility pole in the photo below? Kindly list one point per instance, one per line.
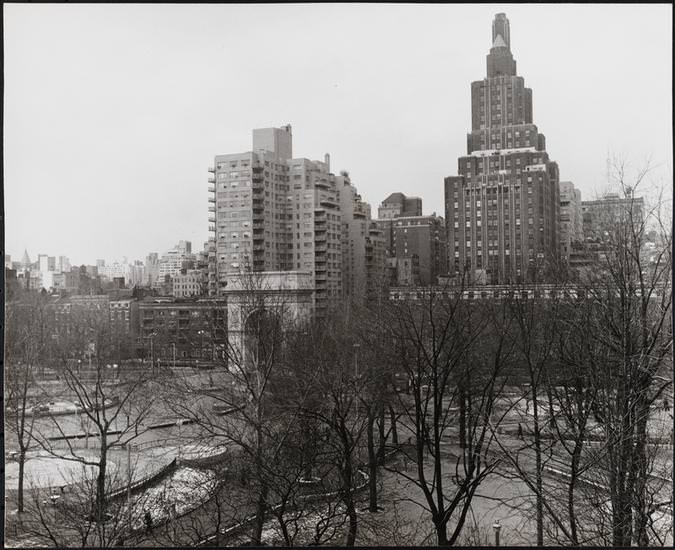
(129, 486)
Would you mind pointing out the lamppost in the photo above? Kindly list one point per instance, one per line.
(201, 344)
(135, 448)
(152, 351)
(356, 359)
(496, 526)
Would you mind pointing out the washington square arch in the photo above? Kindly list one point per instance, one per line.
(259, 304)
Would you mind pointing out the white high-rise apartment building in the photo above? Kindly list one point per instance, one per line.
(272, 212)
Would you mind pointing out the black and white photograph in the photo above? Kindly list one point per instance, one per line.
(337, 274)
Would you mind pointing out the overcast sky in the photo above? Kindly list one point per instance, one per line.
(112, 113)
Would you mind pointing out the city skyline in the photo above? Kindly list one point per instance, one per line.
(381, 108)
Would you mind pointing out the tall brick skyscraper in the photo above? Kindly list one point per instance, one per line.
(502, 211)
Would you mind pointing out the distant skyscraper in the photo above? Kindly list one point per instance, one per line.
(151, 275)
(46, 263)
(178, 258)
(398, 205)
(25, 260)
(503, 210)
(571, 227)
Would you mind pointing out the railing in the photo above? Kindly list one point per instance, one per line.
(232, 530)
(144, 482)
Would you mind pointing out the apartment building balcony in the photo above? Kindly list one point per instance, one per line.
(212, 199)
(212, 169)
(320, 236)
(323, 183)
(258, 226)
(329, 202)
(256, 180)
(211, 189)
(212, 209)
(212, 219)
(258, 248)
(212, 179)
(257, 169)
(320, 278)
(212, 228)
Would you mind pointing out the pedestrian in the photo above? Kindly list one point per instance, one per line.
(520, 431)
(666, 405)
(148, 521)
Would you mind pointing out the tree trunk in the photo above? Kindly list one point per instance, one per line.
(351, 514)
(22, 463)
(372, 462)
(576, 456)
(394, 430)
(441, 532)
(539, 478)
(462, 415)
(306, 451)
(100, 480)
(260, 516)
(381, 451)
(284, 529)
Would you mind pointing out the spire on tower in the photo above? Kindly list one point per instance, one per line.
(499, 42)
(500, 27)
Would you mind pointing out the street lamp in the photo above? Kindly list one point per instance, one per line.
(356, 359)
(201, 345)
(496, 526)
(152, 351)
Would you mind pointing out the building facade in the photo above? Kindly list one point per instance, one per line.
(356, 224)
(503, 208)
(182, 332)
(420, 237)
(398, 205)
(571, 226)
(173, 261)
(602, 215)
(191, 282)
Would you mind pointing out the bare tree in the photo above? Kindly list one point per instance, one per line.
(437, 337)
(24, 352)
(632, 324)
(115, 410)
